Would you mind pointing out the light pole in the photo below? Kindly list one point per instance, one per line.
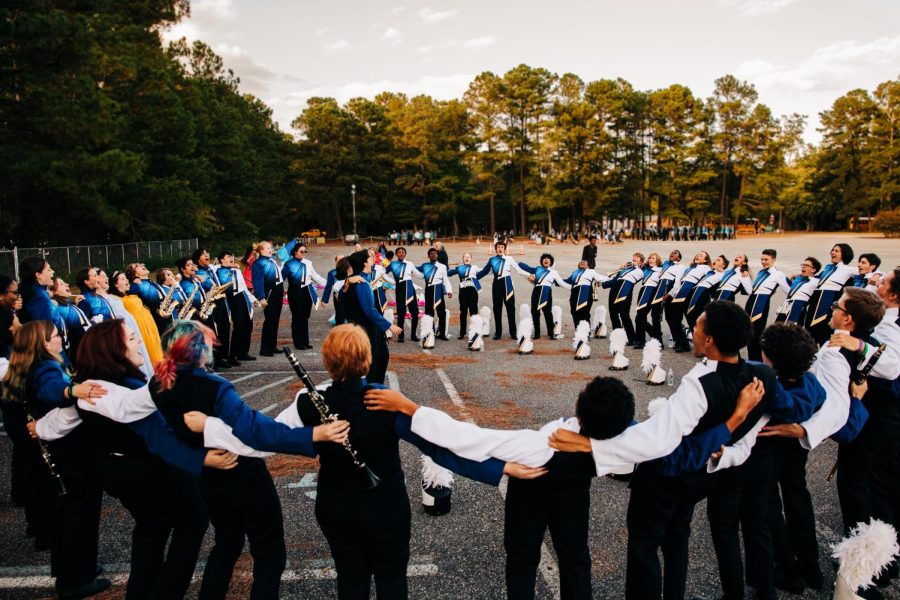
(353, 193)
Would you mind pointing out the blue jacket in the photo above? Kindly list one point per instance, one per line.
(264, 274)
(150, 293)
(93, 305)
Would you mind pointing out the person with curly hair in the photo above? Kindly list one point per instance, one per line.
(543, 277)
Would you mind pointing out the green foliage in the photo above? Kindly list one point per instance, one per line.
(888, 223)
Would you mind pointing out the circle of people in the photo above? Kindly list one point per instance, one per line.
(185, 450)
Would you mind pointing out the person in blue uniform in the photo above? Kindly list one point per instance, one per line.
(221, 315)
(669, 275)
(334, 281)
(469, 286)
(832, 279)
(268, 287)
(240, 301)
(768, 280)
(649, 282)
(543, 277)
(621, 292)
(793, 311)
(94, 305)
(36, 277)
(503, 293)
(867, 264)
(437, 285)
(702, 293)
(401, 271)
(150, 292)
(681, 292)
(75, 321)
(302, 278)
(165, 278)
(191, 288)
(581, 298)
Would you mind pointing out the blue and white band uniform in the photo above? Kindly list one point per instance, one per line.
(401, 271)
(378, 289)
(301, 272)
(501, 267)
(671, 274)
(582, 280)
(650, 283)
(544, 279)
(436, 280)
(766, 283)
(150, 293)
(832, 280)
(690, 278)
(733, 281)
(233, 276)
(863, 281)
(627, 278)
(706, 282)
(466, 274)
(801, 289)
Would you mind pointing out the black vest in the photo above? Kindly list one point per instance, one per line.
(722, 389)
(191, 392)
(112, 437)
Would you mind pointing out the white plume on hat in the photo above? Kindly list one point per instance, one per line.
(525, 330)
(863, 555)
(389, 315)
(598, 321)
(485, 314)
(617, 340)
(476, 337)
(580, 341)
(556, 311)
(656, 405)
(651, 363)
(435, 475)
(426, 331)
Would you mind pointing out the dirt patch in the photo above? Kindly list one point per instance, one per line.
(428, 361)
(286, 465)
(558, 377)
(506, 415)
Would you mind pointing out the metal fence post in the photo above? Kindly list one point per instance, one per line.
(16, 262)
(106, 248)
(68, 260)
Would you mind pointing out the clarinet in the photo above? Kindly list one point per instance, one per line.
(858, 379)
(48, 458)
(327, 416)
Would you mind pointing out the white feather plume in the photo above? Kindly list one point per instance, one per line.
(865, 553)
(434, 475)
(485, 314)
(655, 406)
(617, 340)
(525, 329)
(582, 333)
(652, 355)
(426, 326)
(599, 317)
(524, 311)
(474, 327)
(556, 311)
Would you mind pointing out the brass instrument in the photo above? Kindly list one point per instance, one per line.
(327, 416)
(625, 266)
(187, 311)
(48, 458)
(168, 303)
(209, 303)
(377, 280)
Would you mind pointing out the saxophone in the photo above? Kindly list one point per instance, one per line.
(187, 311)
(167, 306)
(209, 303)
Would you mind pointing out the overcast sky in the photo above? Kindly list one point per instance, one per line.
(800, 54)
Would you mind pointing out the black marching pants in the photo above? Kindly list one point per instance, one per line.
(620, 315)
(272, 314)
(468, 305)
(674, 316)
(368, 533)
(694, 314)
(656, 313)
(300, 302)
(530, 511)
(243, 502)
(821, 331)
(402, 307)
(583, 313)
(498, 295)
(163, 502)
(754, 351)
(439, 312)
(739, 505)
(791, 517)
(660, 510)
(242, 327)
(222, 320)
(380, 355)
(536, 314)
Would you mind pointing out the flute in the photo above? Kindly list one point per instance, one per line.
(327, 416)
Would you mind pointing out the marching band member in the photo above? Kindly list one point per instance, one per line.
(669, 275)
(334, 281)
(165, 278)
(379, 291)
(734, 280)
(93, 304)
(767, 281)
(268, 287)
(221, 312)
(582, 281)
(147, 332)
(793, 311)
(241, 301)
(702, 293)
(301, 277)
(150, 292)
(543, 276)
(621, 288)
(867, 264)
(832, 280)
(75, 322)
(503, 292)
(191, 288)
(118, 310)
(469, 286)
(401, 271)
(676, 305)
(436, 283)
(650, 281)
(10, 302)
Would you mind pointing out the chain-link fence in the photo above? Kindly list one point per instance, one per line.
(68, 259)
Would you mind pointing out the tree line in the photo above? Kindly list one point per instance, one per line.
(110, 135)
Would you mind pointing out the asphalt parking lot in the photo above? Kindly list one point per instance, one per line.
(461, 555)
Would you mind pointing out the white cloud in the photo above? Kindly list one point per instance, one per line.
(391, 35)
(323, 31)
(833, 68)
(222, 9)
(398, 10)
(754, 8)
(430, 15)
(337, 46)
(480, 42)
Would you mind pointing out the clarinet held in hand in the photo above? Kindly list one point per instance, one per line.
(327, 416)
(48, 459)
(864, 372)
